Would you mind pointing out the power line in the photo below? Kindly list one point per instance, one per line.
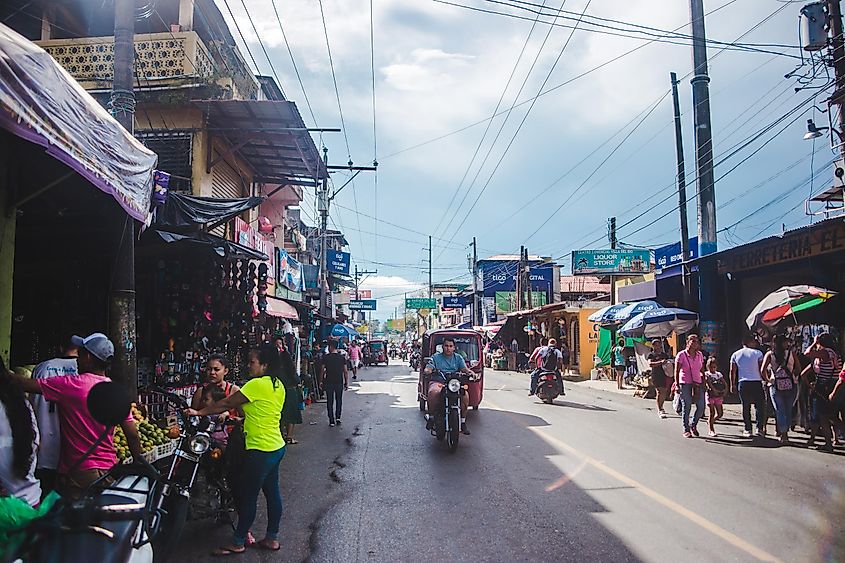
(293, 62)
(263, 48)
(334, 79)
(375, 135)
(241, 35)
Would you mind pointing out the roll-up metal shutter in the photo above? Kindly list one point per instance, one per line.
(225, 181)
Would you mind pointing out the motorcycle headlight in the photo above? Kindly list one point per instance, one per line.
(199, 444)
(454, 385)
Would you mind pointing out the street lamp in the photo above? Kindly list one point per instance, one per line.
(813, 132)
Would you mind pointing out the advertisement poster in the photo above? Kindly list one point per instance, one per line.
(337, 261)
(506, 301)
(611, 261)
(454, 302)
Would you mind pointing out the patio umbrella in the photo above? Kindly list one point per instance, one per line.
(343, 331)
(785, 302)
(631, 310)
(604, 315)
(660, 322)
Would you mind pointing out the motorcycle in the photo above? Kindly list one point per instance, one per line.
(195, 451)
(415, 360)
(118, 520)
(447, 424)
(549, 386)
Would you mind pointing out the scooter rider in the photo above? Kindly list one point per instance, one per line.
(549, 358)
(445, 362)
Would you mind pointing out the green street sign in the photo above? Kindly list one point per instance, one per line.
(420, 303)
(611, 261)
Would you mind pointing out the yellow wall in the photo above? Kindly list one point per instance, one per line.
(588, 342)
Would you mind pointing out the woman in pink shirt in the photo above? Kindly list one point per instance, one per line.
(688, 367)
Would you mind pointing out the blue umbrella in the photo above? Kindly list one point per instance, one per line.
(343, 331)
(631, 310)
(660, 322)
(604, 316)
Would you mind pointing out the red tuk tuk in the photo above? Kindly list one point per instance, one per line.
(468, 345)
(378, 351)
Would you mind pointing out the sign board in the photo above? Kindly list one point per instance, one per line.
(500, 275)
(362, 294)
(670, 255)
(454, 302)
(420, 303)
(362, 304)
(290, 271)
(612, 261)
(337, 261)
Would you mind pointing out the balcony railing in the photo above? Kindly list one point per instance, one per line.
(162, 58)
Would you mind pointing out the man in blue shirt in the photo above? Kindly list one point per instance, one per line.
(446, 361)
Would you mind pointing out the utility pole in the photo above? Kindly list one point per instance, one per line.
(519, 286)
(530, 302)
(429, 266)
(323, 203)
(122, 328)
(837, 42)
(611, 235)
(705, 182)
(476, 309)
(358, 275)
(682, 193)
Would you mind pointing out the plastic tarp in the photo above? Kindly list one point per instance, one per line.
(42, 103)
(185, 213)
(222, 247)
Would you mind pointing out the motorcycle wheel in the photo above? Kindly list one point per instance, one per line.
(454, 430)
(549, 400)
(171, 528)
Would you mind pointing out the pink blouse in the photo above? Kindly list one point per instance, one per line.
(690, 366)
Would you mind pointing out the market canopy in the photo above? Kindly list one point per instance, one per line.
(280, 308)
(220, 246)
(41, 103)
(185, 213)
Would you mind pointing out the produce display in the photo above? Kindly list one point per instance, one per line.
(150, 434)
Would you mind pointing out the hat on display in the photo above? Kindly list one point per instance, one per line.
(98, 344)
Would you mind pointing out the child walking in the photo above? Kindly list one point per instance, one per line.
(717, 387)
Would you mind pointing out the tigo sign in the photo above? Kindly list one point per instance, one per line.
(454, 302)
(337, 261)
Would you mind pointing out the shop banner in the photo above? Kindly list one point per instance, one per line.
(611, 261)
(454, 302)
(362, 305)
(420, 303)
(290, 271)
(337, 261)
(310, 276)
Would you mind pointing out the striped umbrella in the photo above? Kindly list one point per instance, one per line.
(631, 310)
(604, 316)
(785, 302)
(660, 322)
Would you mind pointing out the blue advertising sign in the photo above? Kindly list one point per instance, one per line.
(337, 261)
(454, 302)
(500, 275)
(290, 271)
(362, 305)
(667, 259)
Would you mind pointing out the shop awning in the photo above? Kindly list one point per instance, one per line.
(280, 308)
(220, 246)
(42, 103)
(185, 213)
(270, 135)
(540, 310)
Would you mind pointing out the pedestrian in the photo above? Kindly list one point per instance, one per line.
(779, 370)
(47, 415)
(216, 371)
(565, 352)
(354, 357)
(261, 399)
(745, 369)
(335, 381)
(534, 359)
(18, 442)
(619, 362)
(717, 388)
(689, 364)
(659, 361)
(85, 455)
(837, 399)
(292, 410)
(821, 375)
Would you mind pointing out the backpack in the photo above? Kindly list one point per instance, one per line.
(549, 359)
(782, 374)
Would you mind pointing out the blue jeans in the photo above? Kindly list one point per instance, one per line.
(687, 402)
(783, 402)
(751, 393)
(259, 471)
(334, 400)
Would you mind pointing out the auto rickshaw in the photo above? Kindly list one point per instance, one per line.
(468, 345)
(378, 351)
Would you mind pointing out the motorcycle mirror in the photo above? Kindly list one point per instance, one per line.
(109, 403)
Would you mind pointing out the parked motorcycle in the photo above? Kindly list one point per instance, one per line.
(119, 517)
(549, 386)
(447, 423)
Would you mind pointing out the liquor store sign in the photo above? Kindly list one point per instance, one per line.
(806, 243)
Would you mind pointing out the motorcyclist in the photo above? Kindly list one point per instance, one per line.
(549, 358)
(446, 361)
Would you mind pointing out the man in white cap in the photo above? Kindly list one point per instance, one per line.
(80, 432)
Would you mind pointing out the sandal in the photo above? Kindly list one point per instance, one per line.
(228, 550)
(268, 545)
(291, 441)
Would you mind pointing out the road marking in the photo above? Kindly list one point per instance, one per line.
(711, 527)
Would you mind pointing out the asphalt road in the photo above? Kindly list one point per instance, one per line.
(595, 477)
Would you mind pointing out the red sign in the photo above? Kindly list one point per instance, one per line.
(362, 294)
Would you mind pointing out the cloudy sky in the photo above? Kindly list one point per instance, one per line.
(545, 173)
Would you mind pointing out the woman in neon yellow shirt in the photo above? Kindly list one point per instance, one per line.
(261, 399)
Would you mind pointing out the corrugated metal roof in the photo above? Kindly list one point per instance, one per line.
(583, 284)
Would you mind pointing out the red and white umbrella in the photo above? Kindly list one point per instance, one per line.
(785, 302)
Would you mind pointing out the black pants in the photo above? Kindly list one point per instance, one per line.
(752, 393)
(334, 392)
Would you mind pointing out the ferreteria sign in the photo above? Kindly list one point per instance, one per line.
(610, 261)
(806, 243)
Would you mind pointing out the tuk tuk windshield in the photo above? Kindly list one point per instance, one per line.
(376, 345)
(465, 346)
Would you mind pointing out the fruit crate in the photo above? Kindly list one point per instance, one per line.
(165, 449)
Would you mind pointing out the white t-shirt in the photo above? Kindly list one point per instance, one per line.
(47, 413)
(748, 362)
(28, 488)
